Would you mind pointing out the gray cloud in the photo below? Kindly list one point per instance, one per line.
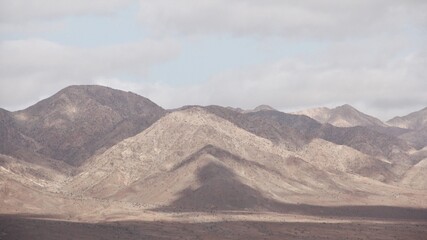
(21, 11)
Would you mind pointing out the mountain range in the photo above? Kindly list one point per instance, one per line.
(91, 152)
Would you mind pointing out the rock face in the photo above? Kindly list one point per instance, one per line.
(342, 116)
(80, 120)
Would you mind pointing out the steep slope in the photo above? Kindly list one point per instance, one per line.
(340, 158)
(292, 130)
(342, 116)
(369, 142)
(80, 120)
(156, 150)
(416, 176)
(320, 114)
(14, 142)
(416, 120)
(295, 131)
(165, 169)
(10, 137)
(416, 138)
(416, 125)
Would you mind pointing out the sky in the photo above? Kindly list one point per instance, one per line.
(289, 54)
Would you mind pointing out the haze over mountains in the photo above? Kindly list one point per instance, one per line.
(91, 152)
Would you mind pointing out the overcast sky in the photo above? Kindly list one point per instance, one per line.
(290, 54)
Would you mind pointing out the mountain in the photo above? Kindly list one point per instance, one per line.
(342, 116)
(416, 138)
(292, 131)
(416, 120)
(261, 108)
(369, 142)
(91, 153)
(295, 131)
(11, 138)
(416, 176)
(156, 159)
(78, 121)
(205, 162)
(415, 125)
(14, 142)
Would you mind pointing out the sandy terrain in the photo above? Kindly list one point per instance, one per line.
(32, 227)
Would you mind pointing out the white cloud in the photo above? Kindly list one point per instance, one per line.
(292, 19)
(35, 10)
(384, 88)
(29, 16)
(373, 52)
(378, 81)
(38, 67)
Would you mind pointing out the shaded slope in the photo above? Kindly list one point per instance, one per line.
(369, 142)
(219, 189)
(11, 140)
(292, 176)
(417, 138)
(295, 131)
(416, 123)
(79, 120)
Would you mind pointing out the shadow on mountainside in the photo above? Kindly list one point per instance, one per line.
(221, 191)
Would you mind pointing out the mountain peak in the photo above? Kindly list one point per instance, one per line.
(264, 107)
(341, 116)
(346, 106)
(82, 114)
(415, 120)
(346, 109)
